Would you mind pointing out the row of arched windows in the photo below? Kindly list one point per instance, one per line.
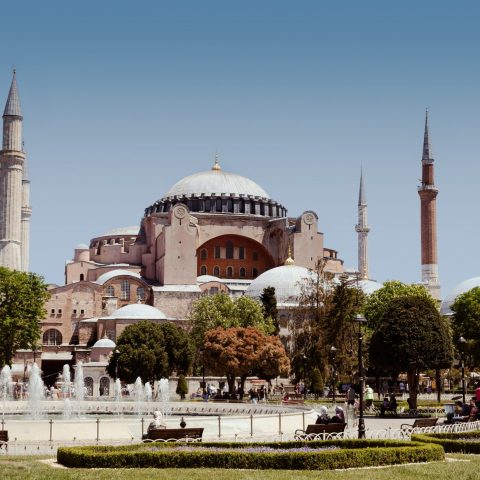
(230, 272)
(229, 252)
(125, 291)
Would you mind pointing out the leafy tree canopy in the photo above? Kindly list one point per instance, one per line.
(377, 303)
(411, 337)
(22, 299)
(220, 310)
(151, 351)
(270, 311)
(466, 323)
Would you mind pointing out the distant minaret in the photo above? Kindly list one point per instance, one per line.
(362, 229)
(12, 161)
(428, 218)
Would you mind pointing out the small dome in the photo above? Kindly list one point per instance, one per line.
(104, 343)
(139, 311)
(462, 287)
(81, 246)
(287, 281)
(207, 278)
(105, 277)
(121, 232)
(369, 286)
(217, 182)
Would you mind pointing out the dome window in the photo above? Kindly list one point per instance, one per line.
(140, 293)
(110, 291)
(241, 253)
(217, 252)
(218, 205)
(229, 249)
(125, 290)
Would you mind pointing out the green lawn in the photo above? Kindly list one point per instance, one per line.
(30, 468)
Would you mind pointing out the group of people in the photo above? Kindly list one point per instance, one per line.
(324, 419)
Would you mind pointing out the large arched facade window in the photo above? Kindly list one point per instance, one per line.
(125, 290)
(52, 336)
(104, 387)
(88, 382)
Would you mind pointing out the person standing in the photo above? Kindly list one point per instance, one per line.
(368, 396)
(351, 396)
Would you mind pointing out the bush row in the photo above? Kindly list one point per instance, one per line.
(352, 454)
(452, 442)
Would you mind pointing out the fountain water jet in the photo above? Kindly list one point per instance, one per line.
(138, 395)
(79, 383)
(5, 383)
(164, 394)
(36, 392)
(148, 392)
(66, 391)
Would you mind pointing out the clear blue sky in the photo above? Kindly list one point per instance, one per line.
(122, 99)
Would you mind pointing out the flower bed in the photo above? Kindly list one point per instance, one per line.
(317, 455)
(464, 442)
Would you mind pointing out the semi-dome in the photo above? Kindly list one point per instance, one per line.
(287, 280)
(462, 287)
(104, 343)
(138, 311)
(216, 191)
(105, 277)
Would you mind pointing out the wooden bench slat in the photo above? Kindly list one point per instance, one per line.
(174, 433)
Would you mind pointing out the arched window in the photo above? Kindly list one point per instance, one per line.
(125, 290)
(255, 273)
(242, 272)
(110, 291)
(88, 382)
(229, 249)
(140, 293)
(52, 336)
(203, 270)
(229, 272)
(216, 271)
(104, 387)
(82, 277)
(203, 254)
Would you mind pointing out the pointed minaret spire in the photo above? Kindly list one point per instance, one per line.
(428, 218)
(362, 229)
(12, 107)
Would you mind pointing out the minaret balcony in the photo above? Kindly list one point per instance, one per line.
(431, 188)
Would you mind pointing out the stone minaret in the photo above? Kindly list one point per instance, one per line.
(26, 214)
(362, 229)
(12, 160)
(428, 218)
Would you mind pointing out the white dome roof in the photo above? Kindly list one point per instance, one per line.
(216, 182)
(462, 287)
(207, 278)
(121, 231)
(287, 281)
(369, 286)
(105, 277)
(104, 343)
(139, 311)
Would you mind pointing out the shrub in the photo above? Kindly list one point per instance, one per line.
(349, 454)
(452, 442)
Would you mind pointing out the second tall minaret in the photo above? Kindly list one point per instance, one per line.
(12, 159)
(362, 229)
(428, 218)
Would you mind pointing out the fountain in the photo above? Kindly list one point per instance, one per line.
(79, 384)
(138, 395)
(36, 392)
(148, 392)
(164, 390)
(66, 391)
(5, 383)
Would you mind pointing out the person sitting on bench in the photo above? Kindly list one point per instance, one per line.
(339, 416)
(323, 418)
(390, 405)
(157, 422)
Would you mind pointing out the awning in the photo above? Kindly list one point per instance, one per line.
(56, 356)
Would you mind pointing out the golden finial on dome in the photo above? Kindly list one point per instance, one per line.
(289, 260)
(216, 165)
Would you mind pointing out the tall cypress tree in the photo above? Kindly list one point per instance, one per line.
(269, 302)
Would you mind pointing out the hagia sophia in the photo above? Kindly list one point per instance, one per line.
(212, 231)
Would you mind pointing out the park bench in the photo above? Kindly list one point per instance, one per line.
(167, 434)
(293, 399)
(4, 440)
(420, 423)
(315, 430)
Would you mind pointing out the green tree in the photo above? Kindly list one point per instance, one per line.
(379, 301)
(182, 387)
(316, 386)
(22, 299)
(270, 311)
(220, 310)
(149, 350)
(466, 323)
(411, 337)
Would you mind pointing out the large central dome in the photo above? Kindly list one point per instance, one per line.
(216, 182)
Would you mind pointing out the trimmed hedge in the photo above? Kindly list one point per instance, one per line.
(452, 442)
(351, 454)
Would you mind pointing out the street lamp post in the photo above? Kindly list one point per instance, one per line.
(304, 376)
(361, 421)
(462, 343)
(333, 354)
(117, 354)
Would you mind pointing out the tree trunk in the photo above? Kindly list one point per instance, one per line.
(438, 381)
(231, 383)
(412, 377)
(242, 386)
